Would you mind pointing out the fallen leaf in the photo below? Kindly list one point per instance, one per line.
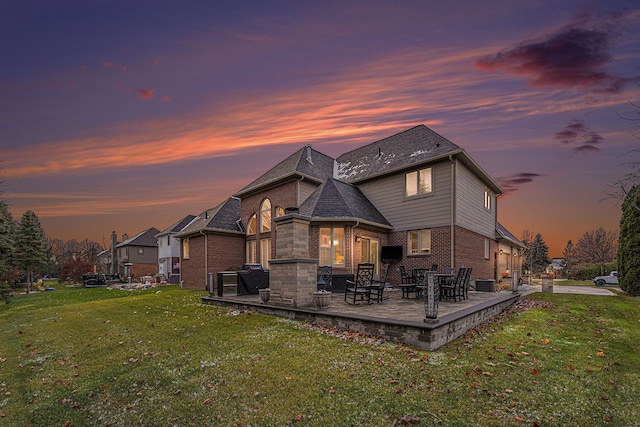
(546, 341)
(600, 354)
(517, 418)
(535, 372)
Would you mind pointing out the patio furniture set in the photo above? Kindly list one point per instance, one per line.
(452, 286)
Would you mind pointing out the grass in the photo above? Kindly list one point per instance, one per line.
(158, 357)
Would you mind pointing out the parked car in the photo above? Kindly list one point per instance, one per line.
(611, 279)
(94, 280)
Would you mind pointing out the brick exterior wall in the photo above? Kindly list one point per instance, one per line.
(470, 252)
(225, 252)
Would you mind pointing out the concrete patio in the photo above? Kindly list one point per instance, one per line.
(395, 319)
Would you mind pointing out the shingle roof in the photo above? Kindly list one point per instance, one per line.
(506, 234)
(305, 162)
(224, 217)
(416, 145)
(144, 238)
(338, 200)
(178, 226)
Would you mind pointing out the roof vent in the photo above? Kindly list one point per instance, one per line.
(379, 152)
(309, 154)
(206, 214)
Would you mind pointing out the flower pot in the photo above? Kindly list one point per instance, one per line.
(322, 299)
(264, 295)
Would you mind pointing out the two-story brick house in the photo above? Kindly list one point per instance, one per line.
(415, 190)
(169, 247)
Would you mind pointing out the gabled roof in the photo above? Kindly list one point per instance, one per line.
(411, 148)
(338, 200)
(144, 238)
(223, 218)
(306, 163)
(504, 234)
(178, 226)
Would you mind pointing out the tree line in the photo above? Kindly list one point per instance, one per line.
(26, 253)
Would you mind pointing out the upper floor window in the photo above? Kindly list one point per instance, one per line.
(251, 225)
(487, 198)
(419, 242)
(418, 182)
(332, 246)
(279, 211)
(265, 215)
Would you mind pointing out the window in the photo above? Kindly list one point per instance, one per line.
(265, 215)
(265, 252)
(251, 252)
(418, 182)
(419, 242)
(487, 198)
(251, 225)
(279, 211)
(332, 246)
(185, 248)
(487, 247)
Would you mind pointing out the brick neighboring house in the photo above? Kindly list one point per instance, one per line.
(169, 247)
(213, 241)
(415, 190)
(138, 256)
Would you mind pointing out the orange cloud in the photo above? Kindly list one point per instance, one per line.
(145, 93)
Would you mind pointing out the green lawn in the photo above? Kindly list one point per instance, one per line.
(159, 358)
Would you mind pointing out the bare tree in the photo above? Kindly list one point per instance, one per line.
(619, 189)
(598, 246)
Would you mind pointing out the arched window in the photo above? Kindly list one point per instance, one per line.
(265, 215)
(279, 211)
(251, 225)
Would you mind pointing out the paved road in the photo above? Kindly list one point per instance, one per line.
(559, 289)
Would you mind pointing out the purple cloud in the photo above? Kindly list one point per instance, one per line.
(577, 130)
(573, 57)
(512, 183)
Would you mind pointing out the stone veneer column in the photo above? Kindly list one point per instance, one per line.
(292, 275)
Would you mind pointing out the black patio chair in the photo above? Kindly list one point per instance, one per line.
(325, 278)
(377, 286)
(360, 289)
(419, 280)
(405, 278)
(462, 290)
(449, 290)
(434, 267)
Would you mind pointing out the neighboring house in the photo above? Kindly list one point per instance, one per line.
(415, 190)
(138, 256)
(212, 242)
(169, 247)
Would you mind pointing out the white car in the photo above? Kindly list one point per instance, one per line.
(611, 279)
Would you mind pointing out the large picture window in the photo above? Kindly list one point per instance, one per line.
(419, 242)
(251, 225)
(251, 252)
(265, 215)
(418, 182)
(265, 252)
(332, 246)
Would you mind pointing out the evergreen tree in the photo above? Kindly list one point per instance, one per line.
(629, 244)
(7, 233)
(538, 255)
(31, 246)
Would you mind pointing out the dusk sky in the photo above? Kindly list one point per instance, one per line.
(125, 115)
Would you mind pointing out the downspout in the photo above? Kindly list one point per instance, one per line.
(206, 259)
(453, 211)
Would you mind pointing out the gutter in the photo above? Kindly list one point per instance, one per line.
(453, 211)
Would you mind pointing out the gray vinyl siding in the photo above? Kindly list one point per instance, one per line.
(470, 211)
(304, 190)
(426, 211)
